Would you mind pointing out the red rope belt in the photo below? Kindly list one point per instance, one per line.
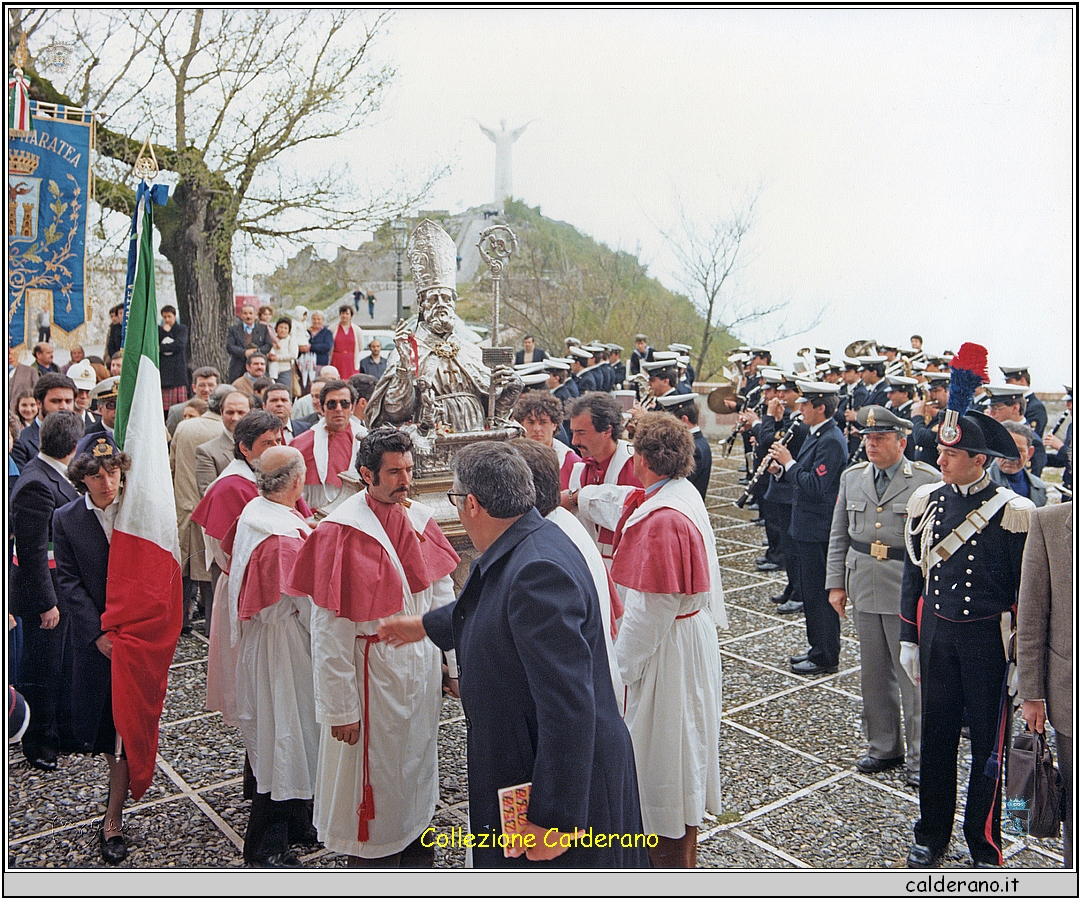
(366, 810)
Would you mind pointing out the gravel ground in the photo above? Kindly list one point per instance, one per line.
(791, 795)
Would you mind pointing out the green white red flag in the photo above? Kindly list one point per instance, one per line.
(144, 596)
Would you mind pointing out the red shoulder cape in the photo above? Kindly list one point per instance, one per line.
(267, 574)
(348, 572)
(662, 554)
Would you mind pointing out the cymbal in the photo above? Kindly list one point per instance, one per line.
(718, 396)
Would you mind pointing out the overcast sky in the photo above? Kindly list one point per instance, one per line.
(914, 168)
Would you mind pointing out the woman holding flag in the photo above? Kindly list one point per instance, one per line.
(82, 530)
(144, 601)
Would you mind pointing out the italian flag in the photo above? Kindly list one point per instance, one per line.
(20, 124)
(144, 597)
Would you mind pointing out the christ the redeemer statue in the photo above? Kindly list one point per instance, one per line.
(503, 141)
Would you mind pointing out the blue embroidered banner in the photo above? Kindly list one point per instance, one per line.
(48, 184)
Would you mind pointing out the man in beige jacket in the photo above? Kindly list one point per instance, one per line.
(1045, 630)
(189, 434)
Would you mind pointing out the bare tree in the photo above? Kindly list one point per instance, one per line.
(237, 101)
(711, 256)
(709, 260)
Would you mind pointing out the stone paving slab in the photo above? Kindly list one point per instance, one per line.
(203, 752)
(746, 682)
(743, 621)
(845, 823)
(817, 721)
(757, 773)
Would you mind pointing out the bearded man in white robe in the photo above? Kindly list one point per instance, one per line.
(376, 555)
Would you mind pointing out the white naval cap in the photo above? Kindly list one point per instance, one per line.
(84, 376)
(812, 389)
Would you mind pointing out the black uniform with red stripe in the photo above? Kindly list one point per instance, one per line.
(815, 477)
(958, 608)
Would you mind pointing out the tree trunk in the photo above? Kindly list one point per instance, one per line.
(192, 239)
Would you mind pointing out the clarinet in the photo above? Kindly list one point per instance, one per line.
(745, 402)
(1058, 424)
(761, 470)
(856, 453)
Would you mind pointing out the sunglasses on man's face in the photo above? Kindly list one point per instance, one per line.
(108, 404)
(336, 404)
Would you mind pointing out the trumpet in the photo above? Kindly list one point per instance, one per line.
(761, 470)
(644, 391)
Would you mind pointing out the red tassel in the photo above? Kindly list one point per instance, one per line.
(366, 812)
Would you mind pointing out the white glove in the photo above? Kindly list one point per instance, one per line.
(910, 661)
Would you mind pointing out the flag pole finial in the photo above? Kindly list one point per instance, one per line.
(146, 164)
(22, 55)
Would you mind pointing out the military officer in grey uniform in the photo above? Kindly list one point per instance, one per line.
(865, 563)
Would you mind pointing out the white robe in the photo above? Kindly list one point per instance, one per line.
(405, 695)
(672, 669)
(574, 529)
(221, 654)
(593, 517)
(275, 700)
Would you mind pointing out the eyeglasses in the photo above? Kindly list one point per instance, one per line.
(451, 495)
(107, 404)
(335, 404)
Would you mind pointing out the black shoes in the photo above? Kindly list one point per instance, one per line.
(779, 598)
(767, 566)
(912, 779)
(44, 763)
(921, 857)
(114, 850)
(868, 765)
(790, 607)
(809, 668)
(284, 860)
(801, 657)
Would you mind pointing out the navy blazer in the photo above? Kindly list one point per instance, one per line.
(537, 695)
(703, 463)
(27, 444)
(82, 567)
(39, 490)
(236, 342)
(815, 480)
(880, 396)
(567, 391)
(321, 344)
(586, 380)
(536, 356)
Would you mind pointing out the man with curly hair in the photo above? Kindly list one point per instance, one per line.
(541, 415)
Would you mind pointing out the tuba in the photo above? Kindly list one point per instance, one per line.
(861, 348)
